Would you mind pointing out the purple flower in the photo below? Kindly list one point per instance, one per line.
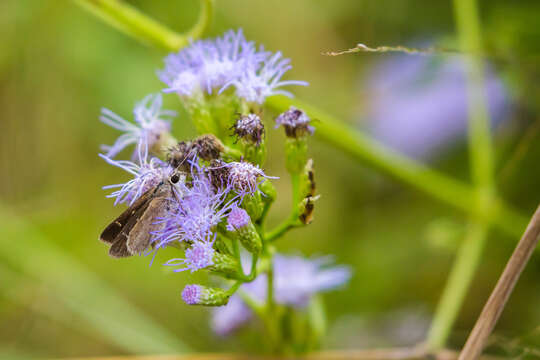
(199, 209)
(243, 177)
(238, 218)
(192, 294)
(255, 84)
(151, 123)
(146, 175)
(198, 256)
(296, 123)
(203, 295)
(231, 60)
(296, 280)
(206, 65)
(228, 318)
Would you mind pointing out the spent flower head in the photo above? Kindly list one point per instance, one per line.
(296, 123)
(249, 127)
(151, 123)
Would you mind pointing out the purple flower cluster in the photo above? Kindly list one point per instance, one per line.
(199, 209)
(296, 280)
(151, 122)
(230, 60)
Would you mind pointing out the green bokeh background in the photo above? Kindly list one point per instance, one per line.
(62, 296)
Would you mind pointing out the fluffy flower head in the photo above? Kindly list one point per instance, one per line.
(207, 65)
(151, 122)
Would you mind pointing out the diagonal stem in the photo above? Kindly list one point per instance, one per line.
(496, 302)
(132, 22)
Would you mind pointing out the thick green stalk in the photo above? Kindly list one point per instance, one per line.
(132, 22)
(481, 165)
(344, 137)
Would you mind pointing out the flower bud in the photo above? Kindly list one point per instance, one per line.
(203, 295)
(201, 114)
(240, 225)
(254, 205)
(268, 191)
(208, 147)
(226, 265)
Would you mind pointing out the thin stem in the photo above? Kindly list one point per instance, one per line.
(292, 221)
(234, 287)
(457, 285)
(481, 165)
(496, 302)
(132, 22)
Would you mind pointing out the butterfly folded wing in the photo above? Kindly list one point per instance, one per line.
(140, 236)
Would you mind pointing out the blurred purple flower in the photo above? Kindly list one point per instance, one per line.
(146, 175)
(296, 280)
(418, 104)
(151, 123)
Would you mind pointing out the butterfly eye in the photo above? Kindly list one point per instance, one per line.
(175, 178)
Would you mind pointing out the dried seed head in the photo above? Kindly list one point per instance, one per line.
(296, 123)
(208, 147)
(179, 155)
(249, 127)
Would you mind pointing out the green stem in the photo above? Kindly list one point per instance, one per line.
(458, 283)
(481, 165)
(132, 22)
(292, 221)
(234, 287)
(404, 169)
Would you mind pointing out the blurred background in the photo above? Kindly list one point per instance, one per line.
(62, 296)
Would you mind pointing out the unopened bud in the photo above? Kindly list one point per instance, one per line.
(203, 295)
(240, 225)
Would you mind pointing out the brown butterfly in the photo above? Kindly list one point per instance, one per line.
(130, 233)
